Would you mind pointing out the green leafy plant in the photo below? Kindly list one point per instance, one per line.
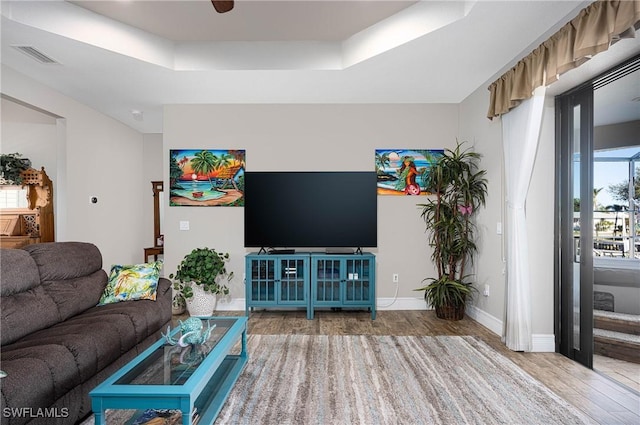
(459, 189)
(183, 291)
(443, 292)
(204, 267)
(11, 167)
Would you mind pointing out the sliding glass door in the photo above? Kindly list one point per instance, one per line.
(598, 222)
(575, 268)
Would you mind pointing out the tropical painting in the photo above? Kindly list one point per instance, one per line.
(206, 177)
(403, 171)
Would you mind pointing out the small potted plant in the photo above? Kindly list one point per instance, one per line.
(179, 303)
(11, 167)
(459, 189)
(197, 280)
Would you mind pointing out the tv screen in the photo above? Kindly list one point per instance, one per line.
(310, 209)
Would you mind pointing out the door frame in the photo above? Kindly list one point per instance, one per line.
(564, 243)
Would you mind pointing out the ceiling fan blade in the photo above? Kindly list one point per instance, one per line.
(222, 6)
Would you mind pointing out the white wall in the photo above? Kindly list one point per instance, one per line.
(486, 138)
(310, 137)
(34, 135)
(153, 171)
(31, 133)
(96, 156)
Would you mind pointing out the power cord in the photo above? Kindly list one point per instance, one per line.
(395, 297)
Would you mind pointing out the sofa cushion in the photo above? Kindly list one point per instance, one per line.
(65, 260)
(71, 274)
(93, 344)
(19, 272)
(38, 375)
(144, 317)
(22, 296)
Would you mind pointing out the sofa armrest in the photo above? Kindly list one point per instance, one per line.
(164, 286)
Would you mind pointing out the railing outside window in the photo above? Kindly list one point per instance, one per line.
(616, 204)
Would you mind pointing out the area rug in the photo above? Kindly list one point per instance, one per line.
(303, 379)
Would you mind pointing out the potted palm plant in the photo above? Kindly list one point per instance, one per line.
(197, 280)
(459, 188)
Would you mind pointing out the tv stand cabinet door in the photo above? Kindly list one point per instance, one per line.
(293, 281)
(277, 280)
(327, 278)
(343, 281)
(359, 287)
(260, 287)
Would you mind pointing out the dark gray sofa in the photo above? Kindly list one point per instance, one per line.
(57, 344)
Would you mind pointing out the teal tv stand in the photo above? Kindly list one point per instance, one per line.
(311, 280)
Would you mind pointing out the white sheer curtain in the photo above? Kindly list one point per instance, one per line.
(520, 134)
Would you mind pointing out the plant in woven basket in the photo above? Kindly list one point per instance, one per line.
(459, 188)
(203, 267)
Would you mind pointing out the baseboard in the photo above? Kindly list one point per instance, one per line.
(541, 343)
(485, 319)
(233, 304)
(408, 303)
(238, 304)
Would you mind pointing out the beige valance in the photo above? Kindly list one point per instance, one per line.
(594, 29)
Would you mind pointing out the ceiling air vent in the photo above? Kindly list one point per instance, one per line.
(36, 54)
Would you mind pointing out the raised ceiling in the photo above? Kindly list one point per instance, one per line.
(250, 20)
(120, 56)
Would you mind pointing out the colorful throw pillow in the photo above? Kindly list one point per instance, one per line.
(132, 282)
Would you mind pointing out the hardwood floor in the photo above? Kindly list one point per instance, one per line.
(627, 373)
(597, 396)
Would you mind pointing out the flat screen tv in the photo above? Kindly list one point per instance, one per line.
(309, 209)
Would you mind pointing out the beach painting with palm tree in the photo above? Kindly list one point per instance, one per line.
(206, 177)
(404, 171)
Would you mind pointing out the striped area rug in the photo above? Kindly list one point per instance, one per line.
(302, 379)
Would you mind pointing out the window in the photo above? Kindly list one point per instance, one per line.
(13, 197)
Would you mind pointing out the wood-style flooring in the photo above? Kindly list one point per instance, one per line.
(598, 396)
(627, 373)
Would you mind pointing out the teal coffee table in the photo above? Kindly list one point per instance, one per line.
(196, 381)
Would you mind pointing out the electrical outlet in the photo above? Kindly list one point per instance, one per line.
(395, 278)
(184, 225)
(486, 291)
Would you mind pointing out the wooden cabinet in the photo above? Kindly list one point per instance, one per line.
(35, 223)
(157, 249)
(310, 280)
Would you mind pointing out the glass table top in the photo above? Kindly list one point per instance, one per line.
(173, 365)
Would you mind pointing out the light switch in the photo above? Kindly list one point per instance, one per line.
(184, 225)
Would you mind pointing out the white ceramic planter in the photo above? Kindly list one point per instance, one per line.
(202, 303)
